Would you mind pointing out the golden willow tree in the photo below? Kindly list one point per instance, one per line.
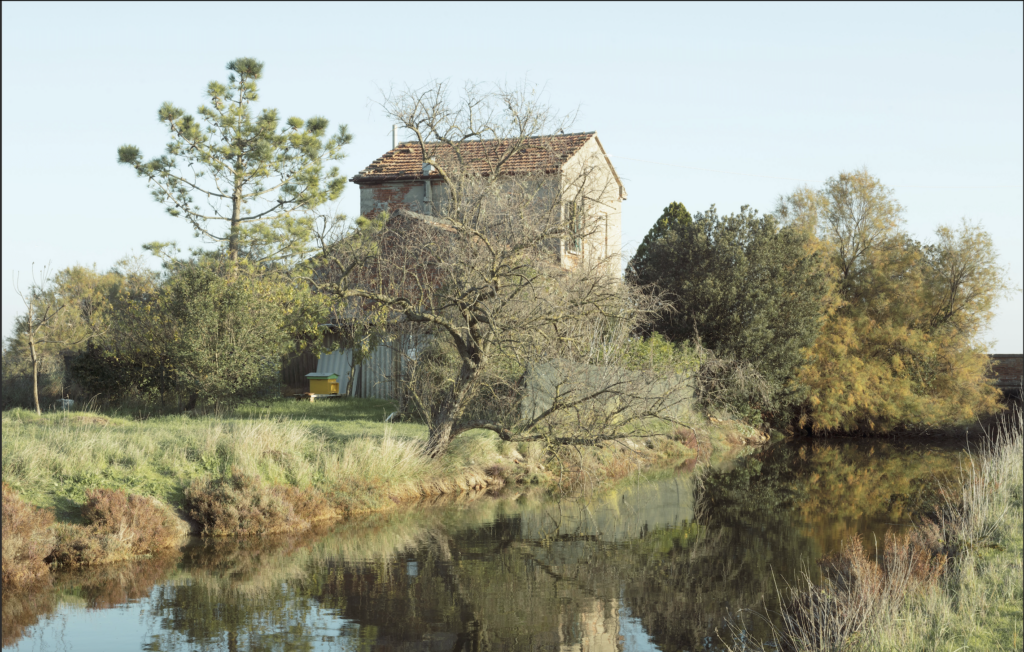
(902, 343)
(510, 336)
(231, 167)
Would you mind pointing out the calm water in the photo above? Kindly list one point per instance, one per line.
(638, 569)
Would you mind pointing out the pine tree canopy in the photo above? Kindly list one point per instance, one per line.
(748, 288)
(230, 164)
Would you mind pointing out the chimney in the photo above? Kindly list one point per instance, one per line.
(394, 136)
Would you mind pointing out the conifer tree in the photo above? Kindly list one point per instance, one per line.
(229, 165)
(674, 217)
(748, 288)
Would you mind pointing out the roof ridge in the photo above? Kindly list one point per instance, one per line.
(402, 160)
(490, 140)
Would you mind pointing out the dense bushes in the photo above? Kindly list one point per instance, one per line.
(855, 324)
(743, 285)
(206, 331)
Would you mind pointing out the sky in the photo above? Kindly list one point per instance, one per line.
(720, 103)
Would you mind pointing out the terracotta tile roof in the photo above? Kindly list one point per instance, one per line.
(545, 153)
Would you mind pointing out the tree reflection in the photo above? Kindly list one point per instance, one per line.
(522, 573)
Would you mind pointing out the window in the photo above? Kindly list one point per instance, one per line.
(574, 215)
(604, 219)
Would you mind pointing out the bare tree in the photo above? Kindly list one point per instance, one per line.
(47, 324)
(517, 339)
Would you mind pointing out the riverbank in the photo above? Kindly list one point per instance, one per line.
(954, 581)
(278, 468)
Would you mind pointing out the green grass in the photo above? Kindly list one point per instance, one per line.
(342, 448)
(980, 603)
(52, 459)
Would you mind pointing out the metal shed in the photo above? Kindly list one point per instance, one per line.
(378, 376)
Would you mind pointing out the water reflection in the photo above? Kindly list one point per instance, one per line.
(637, 569)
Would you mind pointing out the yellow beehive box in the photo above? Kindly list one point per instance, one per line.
(323, 383)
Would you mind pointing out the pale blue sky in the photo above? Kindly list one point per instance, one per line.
(725, 104)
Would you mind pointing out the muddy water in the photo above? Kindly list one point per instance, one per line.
(646, 567)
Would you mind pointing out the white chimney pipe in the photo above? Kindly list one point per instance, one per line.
(394, 136)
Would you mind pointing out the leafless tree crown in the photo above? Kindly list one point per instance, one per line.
(511, 338)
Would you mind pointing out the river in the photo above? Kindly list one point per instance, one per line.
(653, 565)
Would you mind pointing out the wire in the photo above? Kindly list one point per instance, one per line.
(764, 176)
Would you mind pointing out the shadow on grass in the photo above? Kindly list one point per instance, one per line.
(67, 510)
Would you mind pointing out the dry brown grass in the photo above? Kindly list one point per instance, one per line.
(308, 504)
(119, 527)
(152, 524)
(497, 475)
(240, 504)
(858, 589)
(26, 540)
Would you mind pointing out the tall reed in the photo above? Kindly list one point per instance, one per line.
(948, 584)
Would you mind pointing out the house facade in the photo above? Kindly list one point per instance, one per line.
(575, 165)
(569, 176)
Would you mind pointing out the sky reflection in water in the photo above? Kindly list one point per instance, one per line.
(634, 570)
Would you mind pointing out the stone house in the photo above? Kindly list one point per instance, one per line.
(576, 164)
(401, 182)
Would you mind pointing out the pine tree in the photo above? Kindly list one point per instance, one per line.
(229, 165)
(674, 217)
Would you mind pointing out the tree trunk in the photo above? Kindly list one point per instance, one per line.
(35, 378)
(351, 375)
(449, 412)
(440, 437)
(236, 222)
(32, 355)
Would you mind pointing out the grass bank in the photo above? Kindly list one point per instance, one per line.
(955, 581)
(278, 468)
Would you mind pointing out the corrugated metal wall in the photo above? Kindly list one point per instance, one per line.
(378, 376)
(295, 367)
